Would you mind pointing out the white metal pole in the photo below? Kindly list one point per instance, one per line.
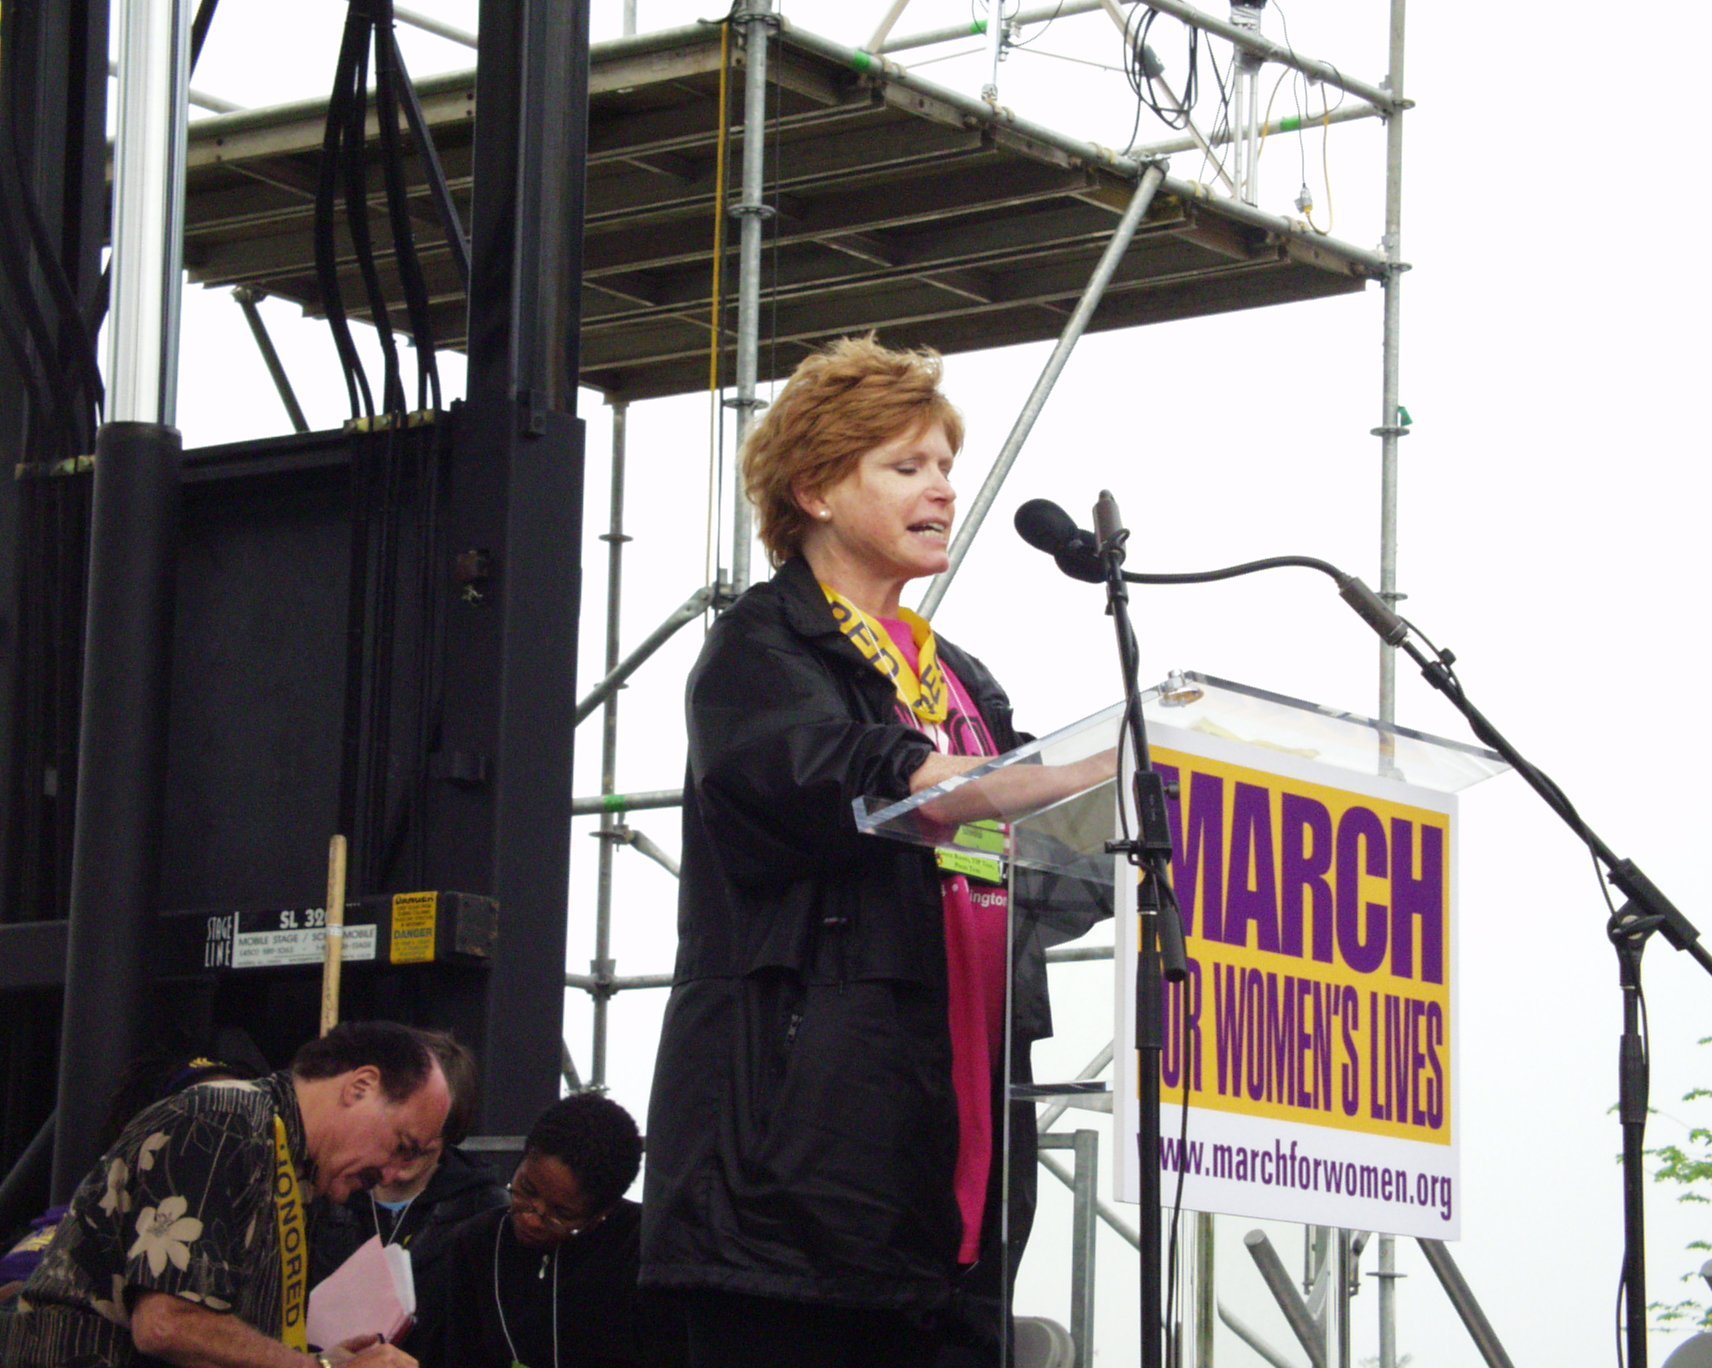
(1206, 1293)
(148, 211)
(750, 212)
(1118, 244)
(603, 967)
(879, 36)
(1249, 39)
(958, 33)
(995, 49)
(428, 24)
(1389, 430)
(1245, 103)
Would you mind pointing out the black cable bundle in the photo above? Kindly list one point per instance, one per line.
(1142, 68)
(50, 343)
(393, 466)
(344, 163)
(42, 328)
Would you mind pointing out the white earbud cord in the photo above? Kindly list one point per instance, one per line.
(398, 1225)
(499, 1306)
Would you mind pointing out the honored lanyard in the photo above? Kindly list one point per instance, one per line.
(922, 690)
(499, 1305)
(293, 1248)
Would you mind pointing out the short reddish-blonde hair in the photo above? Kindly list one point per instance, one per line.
(842, 401)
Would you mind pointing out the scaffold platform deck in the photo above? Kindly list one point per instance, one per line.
(894, 205)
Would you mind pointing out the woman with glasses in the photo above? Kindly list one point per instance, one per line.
(550, 1281)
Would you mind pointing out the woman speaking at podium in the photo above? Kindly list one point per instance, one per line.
(823, 1137)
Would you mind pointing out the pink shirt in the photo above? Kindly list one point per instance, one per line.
(975, 969)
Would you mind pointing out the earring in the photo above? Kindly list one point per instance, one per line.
(826, 515)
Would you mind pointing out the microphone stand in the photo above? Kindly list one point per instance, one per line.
(1160, 952)
(1645, 910)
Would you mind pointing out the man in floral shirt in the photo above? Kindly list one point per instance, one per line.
(171, 1252)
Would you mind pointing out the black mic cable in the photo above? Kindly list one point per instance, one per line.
(1046, 526)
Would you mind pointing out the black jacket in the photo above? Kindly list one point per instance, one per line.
(460, 1188)
(802, 1129)
(503, 1296)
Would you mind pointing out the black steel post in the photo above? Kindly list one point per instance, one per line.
(1160, 953)
(115, 870)
(526, 227)
(53, 119)
(520, 453)
(1628, 934)
(1150, 1046)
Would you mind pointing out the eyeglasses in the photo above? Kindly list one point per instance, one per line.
(524, 1197)
(409, 1149)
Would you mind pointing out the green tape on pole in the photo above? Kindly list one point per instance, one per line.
(978, 26)
(862, 61)
(1289, 125)
(613, 802)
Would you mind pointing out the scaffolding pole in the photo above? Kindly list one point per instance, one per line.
(1462, 1298)
(1297, 1314)
(692, 608)
(751, 211)
(1036, 401)
(1390, 429)
(1252, 43)
(246, 297)
(626, 802)
(439, 28)
(1206, 1298)
(1085, 1145)
(601, 967)
(1193, 141)
(877, 40)
(977, 28)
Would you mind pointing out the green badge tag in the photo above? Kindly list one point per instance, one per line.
(987, 835)
(981, 868)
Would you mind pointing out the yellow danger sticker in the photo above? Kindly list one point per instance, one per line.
(413, 919)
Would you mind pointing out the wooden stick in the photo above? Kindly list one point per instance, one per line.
(335, 944)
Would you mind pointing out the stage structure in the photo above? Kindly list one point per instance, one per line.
(369, 631)
(881, 199)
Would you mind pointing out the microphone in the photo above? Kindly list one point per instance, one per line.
(1108, 527)
(1047, 527)
(1373, 610)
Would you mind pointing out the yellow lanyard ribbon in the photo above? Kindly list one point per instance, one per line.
(293, 1244)
(922, 690)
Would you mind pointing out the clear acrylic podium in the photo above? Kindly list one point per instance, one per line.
(1038, 819)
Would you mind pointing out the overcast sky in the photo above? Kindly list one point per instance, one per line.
(1552, 529)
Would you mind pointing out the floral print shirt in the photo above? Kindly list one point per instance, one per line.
(183, 1204)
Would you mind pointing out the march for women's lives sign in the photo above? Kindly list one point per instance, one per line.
(1316, 1032)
